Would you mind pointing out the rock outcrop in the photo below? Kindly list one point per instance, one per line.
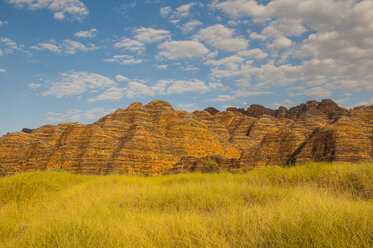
(156, 139)
(204, 164)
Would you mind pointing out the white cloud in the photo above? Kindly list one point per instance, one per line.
(182, 49)
(284, 27)
(211, 55)
(8, 46)
(164, 11)
(126, 6)
(190, 107)
(184, 10)
(183, 86)
(213, 86)
(264, 75)
(135, 89)
(113, 94)
(3, 23)
(8, 42)
(67, 47)
(189, 68)
(256, 36)
(121, 78)
(169, 87)
(75, 83)
(34, 86)
(71, 47)
(317, 14)
(124, 60)
(191, 25)
(242, 93)
(287, 103)
(149, 35)
(175, 21)
(231, 63)
(335, 60)
(367, 103)
(47, 46)
(2, 70)
(161, 67)
(59, 15)
(86, 34)
(75, 8)
(341, 101)
(239, 8)
(76, 115)
(130, 45)
(221, 37)
(236, 22)
(243, 83)
(330, 40)
(280, 43)
(314, 92)
(238, 94)
(253, 53)
(222, 98)
(342, 57)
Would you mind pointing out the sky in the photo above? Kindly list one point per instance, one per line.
(78, 60)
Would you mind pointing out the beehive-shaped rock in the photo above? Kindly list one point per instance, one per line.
(156, 139)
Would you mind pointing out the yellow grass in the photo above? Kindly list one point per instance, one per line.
(315, 205)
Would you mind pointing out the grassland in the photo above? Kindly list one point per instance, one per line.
(315, 205)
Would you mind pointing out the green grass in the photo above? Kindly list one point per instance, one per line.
(315, 205)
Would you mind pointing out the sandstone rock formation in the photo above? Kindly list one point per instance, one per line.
(157, 139)
(205, 164)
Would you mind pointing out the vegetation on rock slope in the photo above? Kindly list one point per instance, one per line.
(157, 139)
(317, 205)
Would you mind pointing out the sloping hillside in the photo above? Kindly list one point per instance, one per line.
(157, 139)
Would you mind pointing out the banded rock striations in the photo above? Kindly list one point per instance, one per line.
(157, 139)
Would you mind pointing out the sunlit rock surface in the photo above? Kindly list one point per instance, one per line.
(157, 139)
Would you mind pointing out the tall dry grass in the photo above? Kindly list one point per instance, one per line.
(315, 205)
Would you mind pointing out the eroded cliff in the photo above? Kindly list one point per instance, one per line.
(157, 139)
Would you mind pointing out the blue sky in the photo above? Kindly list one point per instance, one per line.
(77, 60)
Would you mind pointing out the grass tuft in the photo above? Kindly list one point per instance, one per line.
(313, 205)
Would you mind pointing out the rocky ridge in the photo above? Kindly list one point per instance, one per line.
(157, 139)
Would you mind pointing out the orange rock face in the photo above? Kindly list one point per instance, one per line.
(156, 139)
